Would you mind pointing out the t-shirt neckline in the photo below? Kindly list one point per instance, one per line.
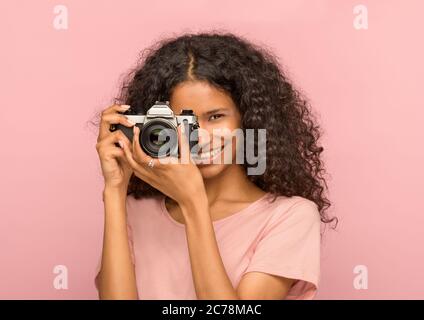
(250, 207)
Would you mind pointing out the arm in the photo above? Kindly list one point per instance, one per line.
(209, 275)
(117, 276)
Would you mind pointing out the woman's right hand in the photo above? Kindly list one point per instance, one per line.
(115, 168)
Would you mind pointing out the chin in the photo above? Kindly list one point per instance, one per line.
(211, 170)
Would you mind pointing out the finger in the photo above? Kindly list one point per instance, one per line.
(113, 152)
(139, 155)
(134, 164)
(114, 118)
(106, 120)
(183, 145)
(122, 160)
(116, 108)
(112, 139)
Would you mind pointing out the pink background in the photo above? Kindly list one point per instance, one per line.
(365, 84)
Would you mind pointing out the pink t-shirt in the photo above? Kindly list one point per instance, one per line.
(280, 238)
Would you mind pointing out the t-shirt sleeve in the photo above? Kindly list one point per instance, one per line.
(99, 260)
(290, 248)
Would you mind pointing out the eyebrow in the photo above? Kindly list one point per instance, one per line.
(214, 111)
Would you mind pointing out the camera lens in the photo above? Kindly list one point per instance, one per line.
(155, 137)
(158, 136)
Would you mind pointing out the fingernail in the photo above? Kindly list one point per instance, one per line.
(131, 122)
(125, 106)
(121, 144)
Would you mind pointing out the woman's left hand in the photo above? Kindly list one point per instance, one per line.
(179, 179)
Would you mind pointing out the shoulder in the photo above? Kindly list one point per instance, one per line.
(295, 210)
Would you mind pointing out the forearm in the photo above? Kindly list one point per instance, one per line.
(117, 276)
(209, 275)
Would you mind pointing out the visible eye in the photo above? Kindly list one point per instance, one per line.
(217, 116)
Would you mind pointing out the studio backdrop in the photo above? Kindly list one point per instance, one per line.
(359, 63)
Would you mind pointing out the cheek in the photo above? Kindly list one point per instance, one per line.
(232, 123)
(228, 124)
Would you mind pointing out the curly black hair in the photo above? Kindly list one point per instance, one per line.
(265, 97)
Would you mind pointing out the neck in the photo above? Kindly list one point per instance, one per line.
(231, 183)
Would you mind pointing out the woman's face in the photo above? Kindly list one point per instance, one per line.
(214, 110)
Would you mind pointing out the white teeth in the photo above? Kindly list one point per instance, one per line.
(209, 154)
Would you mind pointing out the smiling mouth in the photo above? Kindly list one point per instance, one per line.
(208, 154)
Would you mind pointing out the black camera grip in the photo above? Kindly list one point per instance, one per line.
(127, 131)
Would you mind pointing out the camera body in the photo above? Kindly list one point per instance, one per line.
(158, 129)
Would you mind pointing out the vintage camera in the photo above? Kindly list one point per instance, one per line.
(158, 129)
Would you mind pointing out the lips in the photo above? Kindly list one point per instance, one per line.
(208, 155)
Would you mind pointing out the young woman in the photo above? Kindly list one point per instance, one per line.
(212, 231)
